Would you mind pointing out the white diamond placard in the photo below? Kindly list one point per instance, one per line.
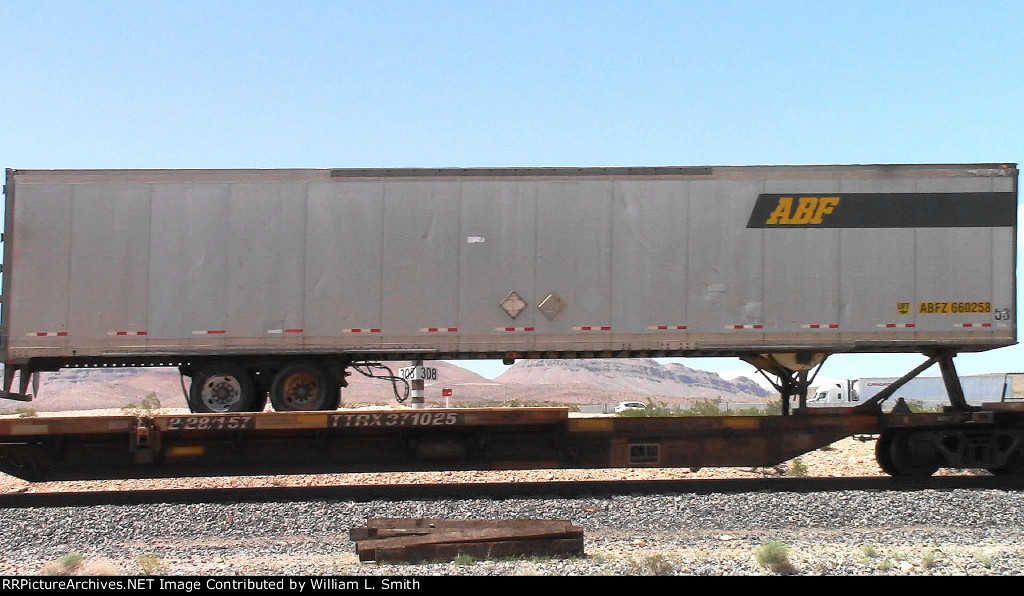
(551, 306)
(513, 304)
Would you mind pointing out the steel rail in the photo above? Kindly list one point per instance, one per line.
(553, 489)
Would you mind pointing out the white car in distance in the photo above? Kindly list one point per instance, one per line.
(630, 405)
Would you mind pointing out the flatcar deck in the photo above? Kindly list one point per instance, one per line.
(169, 445)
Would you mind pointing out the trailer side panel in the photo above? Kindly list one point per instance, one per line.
(529, 263)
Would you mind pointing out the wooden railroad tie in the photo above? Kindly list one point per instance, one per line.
(415, 540)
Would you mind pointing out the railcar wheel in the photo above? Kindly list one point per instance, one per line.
(906, 462)
(304, 387)
(221, 387)
(883, 455)
(1014, 466)
(1005, 471)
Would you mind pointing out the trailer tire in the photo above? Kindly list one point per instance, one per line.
(304, 387)
(221, 387)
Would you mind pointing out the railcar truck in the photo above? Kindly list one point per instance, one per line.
(274, 284)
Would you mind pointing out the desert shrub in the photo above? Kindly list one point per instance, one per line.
(707, 407)
(463, 559)
(66, 565)
(149, 563)
(774, 555)
(148, 405)
(658, 565)
(93, 568)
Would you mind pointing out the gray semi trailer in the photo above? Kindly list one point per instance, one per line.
(275, 283)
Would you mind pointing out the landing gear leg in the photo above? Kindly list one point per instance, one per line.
(791, 375)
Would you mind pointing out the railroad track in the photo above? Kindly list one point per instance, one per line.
(556, 489)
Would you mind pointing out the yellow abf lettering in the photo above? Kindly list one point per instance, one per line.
(807, 210)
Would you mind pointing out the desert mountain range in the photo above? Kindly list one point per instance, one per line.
(528, 382)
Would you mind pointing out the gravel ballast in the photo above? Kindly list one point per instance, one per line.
(950, 532)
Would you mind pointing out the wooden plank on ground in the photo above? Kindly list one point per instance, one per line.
(482, 550)
(366, 548)
(389, 527)
(419, 539)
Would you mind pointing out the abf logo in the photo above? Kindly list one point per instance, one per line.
(903, 308)
(807, 210)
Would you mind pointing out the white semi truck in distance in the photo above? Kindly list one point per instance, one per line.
(978, 389)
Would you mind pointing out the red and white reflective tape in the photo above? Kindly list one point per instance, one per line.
(48, 334)
(974, 324)
(210, 332)
(820, 326)
(362, 330)
(127, 333)
(439, 329)
(593, 328)
(758, 326)
(512, 329)
(283, 331)
(896, 325)
(667, 327)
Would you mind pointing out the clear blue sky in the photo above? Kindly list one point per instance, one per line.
(218, 84)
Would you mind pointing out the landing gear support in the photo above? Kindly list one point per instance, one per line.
(791, 374)
(26, 376)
